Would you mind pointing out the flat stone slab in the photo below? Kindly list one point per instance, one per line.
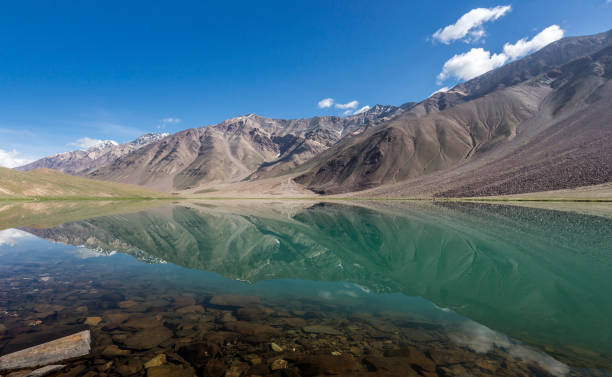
(65, 348)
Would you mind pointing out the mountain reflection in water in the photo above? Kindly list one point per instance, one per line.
(539, 276)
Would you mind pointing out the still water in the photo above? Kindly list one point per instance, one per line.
(307, 289)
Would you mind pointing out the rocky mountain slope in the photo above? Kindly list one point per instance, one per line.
(492, 135)
(241, 147)
(79, 162)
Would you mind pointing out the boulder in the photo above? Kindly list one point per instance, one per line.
(65, 348)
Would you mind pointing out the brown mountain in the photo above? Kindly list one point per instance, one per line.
(236, 149)
(528, 126)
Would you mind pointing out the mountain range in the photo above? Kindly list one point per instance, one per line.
(536, 124)
(79, 162)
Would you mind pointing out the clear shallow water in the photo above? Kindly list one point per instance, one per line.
(523, 291)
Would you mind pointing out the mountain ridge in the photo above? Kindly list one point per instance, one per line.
(237, 148)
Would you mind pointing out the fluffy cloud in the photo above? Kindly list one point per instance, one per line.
(362, 110)
(527, 46)
(87, 142)
(469, 26)
(325, 103)
(348, 105)
(471, 64)
(478, 60)
(11, 159)
(170, 120)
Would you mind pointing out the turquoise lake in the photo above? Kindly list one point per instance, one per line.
(484, 289)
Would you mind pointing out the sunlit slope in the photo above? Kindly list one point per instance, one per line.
(47, 183)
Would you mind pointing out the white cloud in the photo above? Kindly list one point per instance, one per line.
(87, 142)
(478, 60)
(346, 112)
(11, 159)
(325, 103)
(10, 237)
(362, 110)
(471, 64)
(170, 120)
(469, 26)
(442, 89)
(348, 105)
(524, 46)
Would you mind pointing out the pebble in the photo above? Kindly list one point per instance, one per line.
(279, 364)
(276, 348)
(93, 321)
(156, 361)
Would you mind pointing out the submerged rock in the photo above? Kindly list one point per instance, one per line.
(68, 347)
(415, 357)
(276, 348)
(321, 329)
(315, 365)
(157, 361)
(112, 351)
(130, 367)
(255, 329)
(279, 364)
(191, 309)
(171, 371)
(147, 339)
(93, 321)
(234, 300)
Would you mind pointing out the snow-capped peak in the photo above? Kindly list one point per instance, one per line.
(103, 144)
(149, 138)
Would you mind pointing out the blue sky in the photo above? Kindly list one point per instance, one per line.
(117, 69)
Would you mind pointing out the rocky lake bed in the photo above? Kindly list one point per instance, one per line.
(142, 329)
